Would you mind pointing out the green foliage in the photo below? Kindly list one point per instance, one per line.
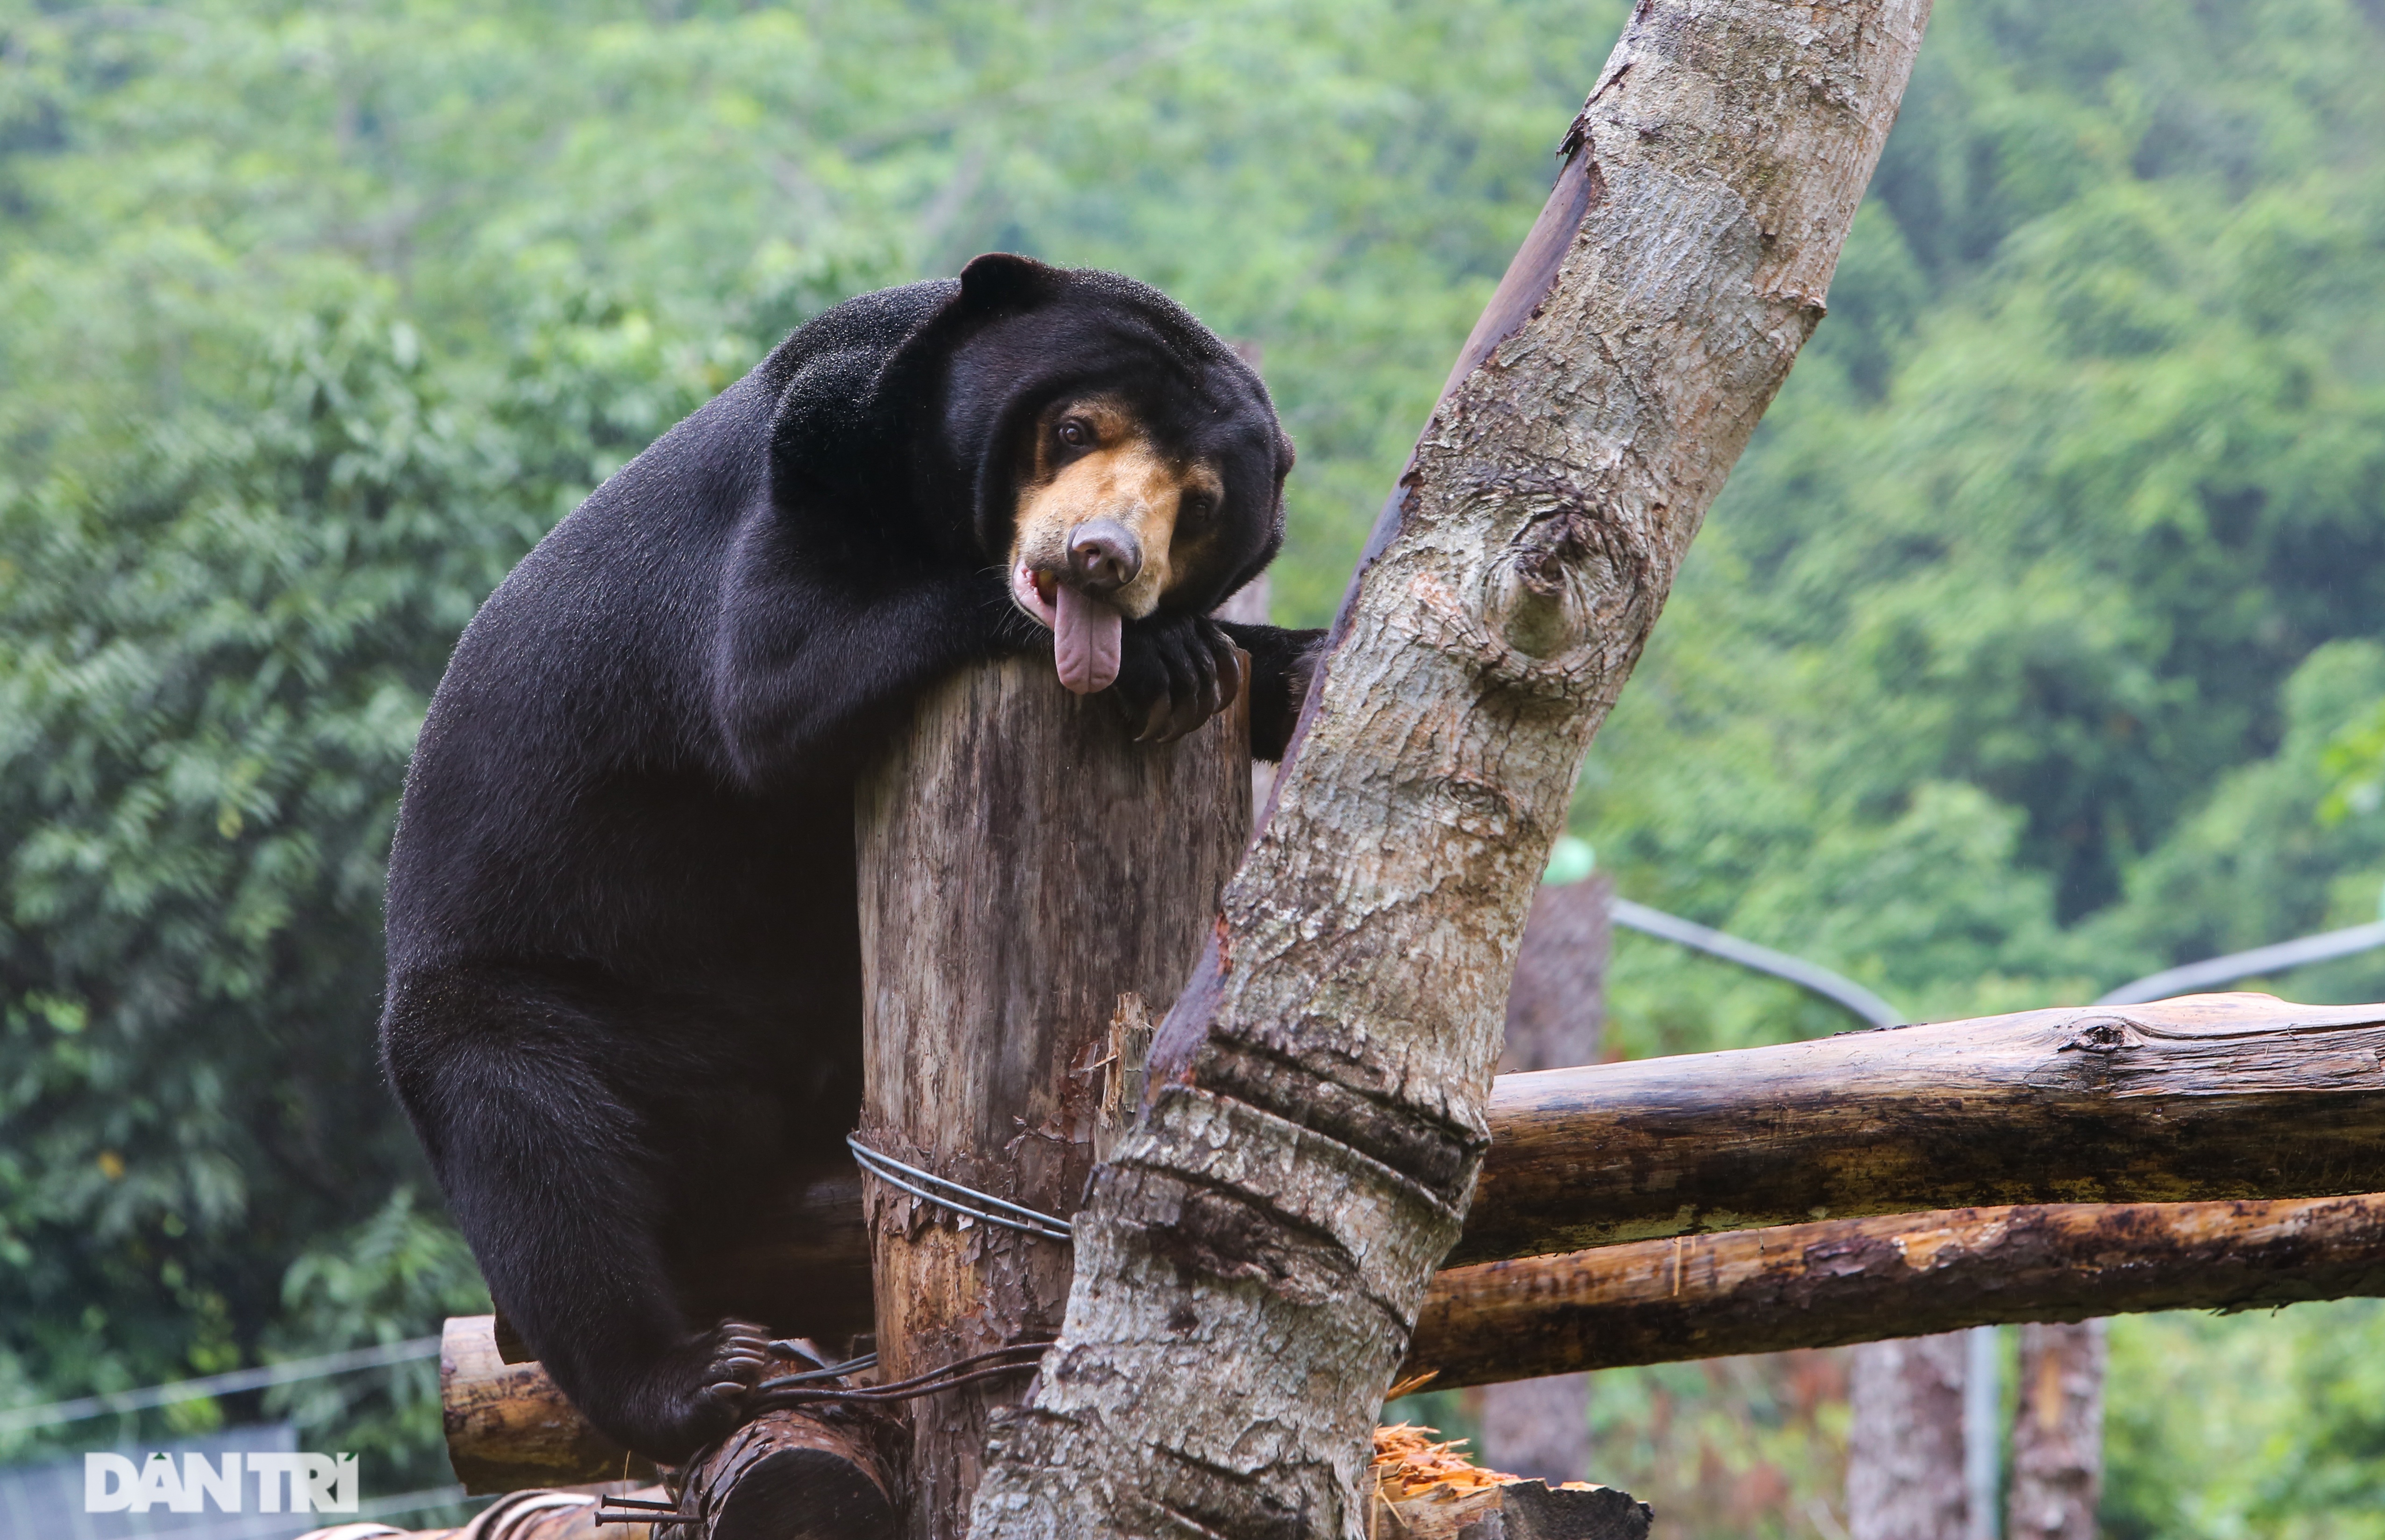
(2042, 618)
(403, 1266)
(2355, 765)
(2276, 1418)
(217, 643)
(2032, 647)
(2095, 466)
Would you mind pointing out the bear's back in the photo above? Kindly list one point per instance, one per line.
(570, 739)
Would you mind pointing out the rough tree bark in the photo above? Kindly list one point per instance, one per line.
(1909, 1440)
(1058, 873)
(1541, 1427)
(1251, 1257)
(2058, 1436)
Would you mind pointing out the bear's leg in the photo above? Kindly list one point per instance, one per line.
(560, 1183)
(1283, 665)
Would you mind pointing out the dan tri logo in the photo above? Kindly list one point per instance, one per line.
(311, 1484)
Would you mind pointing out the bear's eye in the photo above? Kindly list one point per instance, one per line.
(1195, 507)
(1074, 434)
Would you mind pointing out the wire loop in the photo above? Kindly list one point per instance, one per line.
(812, 1376)
(986, 1207)
(793, 1390)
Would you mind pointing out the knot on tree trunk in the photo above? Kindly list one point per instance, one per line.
(1545, 589)
(2102, 1034)
(1553, 602)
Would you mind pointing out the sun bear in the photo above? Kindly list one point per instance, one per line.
(624, 994)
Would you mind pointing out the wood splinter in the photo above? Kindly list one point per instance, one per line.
(1423, 1490)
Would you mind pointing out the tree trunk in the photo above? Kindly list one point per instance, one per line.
(1538, 1427)
(1252, 1258)
(1554, 1010)
(2058, 1435)
(2214, 1096)
(1024, 867)
(1904, 1447)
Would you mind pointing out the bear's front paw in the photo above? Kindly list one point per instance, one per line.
(735, 1354)
(1175, 672)
(698, 1394)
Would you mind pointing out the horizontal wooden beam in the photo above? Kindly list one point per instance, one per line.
(508, 1424)
(1843, 1281)
(2210, 1096)
(2215, 1096)
(1692, 1296)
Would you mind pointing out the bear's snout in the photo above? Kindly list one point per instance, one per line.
(1103, 557)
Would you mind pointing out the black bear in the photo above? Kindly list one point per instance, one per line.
(624, 998)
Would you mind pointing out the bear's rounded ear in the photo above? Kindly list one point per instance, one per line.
(1000, 279)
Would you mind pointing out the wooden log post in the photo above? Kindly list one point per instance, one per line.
(1024, 869)
(533, 1514)
(1251, 1257)
(1904, 1441)
(1556, 1004)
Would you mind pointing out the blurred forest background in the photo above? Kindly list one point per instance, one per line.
(2038, 642)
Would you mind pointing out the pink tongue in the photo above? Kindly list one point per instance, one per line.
(1085, 642)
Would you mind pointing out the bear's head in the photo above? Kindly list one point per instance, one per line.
(1122, 461)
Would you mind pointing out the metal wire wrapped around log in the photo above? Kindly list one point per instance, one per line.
(959, 1197)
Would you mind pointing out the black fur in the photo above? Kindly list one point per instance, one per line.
(624, 974)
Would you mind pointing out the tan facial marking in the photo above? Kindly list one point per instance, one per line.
(1093, 460)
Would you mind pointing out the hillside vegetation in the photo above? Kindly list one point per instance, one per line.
(2038, 642)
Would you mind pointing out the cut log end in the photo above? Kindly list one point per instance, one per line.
(791, 1475)
(509, 1425)
(510, 1428)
